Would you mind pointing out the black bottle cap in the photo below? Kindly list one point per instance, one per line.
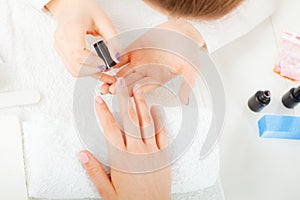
(259, 101)
(104, 54)
(297, 93)
(292, 98)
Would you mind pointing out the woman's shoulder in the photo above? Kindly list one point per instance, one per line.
(218, 33)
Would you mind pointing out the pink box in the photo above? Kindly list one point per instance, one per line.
(289, 56)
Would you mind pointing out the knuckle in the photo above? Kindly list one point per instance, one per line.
(71, 23)
(139, 148)
(179, 69)
(74, 74)
(132, 116)
(135, 145)
(162, 131)
(78, 55)
(147, 121)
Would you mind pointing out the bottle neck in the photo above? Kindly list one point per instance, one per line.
(264, 97)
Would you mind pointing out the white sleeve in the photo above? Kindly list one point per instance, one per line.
(218, 33)
(39, 4)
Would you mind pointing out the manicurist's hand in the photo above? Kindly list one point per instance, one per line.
(76, 19)
(137, 152)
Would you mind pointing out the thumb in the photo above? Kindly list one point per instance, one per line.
(97, 175)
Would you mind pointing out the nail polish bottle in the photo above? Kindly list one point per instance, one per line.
(104, 54)
(259, 101)
(292, 98)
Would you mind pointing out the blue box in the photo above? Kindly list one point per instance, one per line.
(276, 126)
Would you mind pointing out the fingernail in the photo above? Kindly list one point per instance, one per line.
(118, 56)
(99, 100)
(102, 68)
(121, 83)
(84, 157)
(187, 102)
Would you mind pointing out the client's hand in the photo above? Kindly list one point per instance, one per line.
(76, 19)
(144, 134)
(150, 68)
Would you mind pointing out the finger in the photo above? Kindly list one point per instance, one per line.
(88, 63)
(145, 119)
(110, 126)
(159, 126)
(112, 88)
(105, 78)
(104, 89)
(126, 70)
(145, 85)
(124, 59)
(70, 42)
(106, 29)
(97, 174)
(93, 60)
(132, 78)
(128, 116)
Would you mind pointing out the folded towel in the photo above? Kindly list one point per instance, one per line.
(54, 170)
(51, 160)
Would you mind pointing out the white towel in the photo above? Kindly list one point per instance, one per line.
(51, 144)
(54, 170)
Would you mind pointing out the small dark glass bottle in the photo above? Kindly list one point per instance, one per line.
(259, 101)
(292, 98)
(104, 54)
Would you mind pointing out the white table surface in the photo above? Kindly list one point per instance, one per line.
(253, 168)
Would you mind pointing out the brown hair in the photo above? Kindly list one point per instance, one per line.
(201, 9)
